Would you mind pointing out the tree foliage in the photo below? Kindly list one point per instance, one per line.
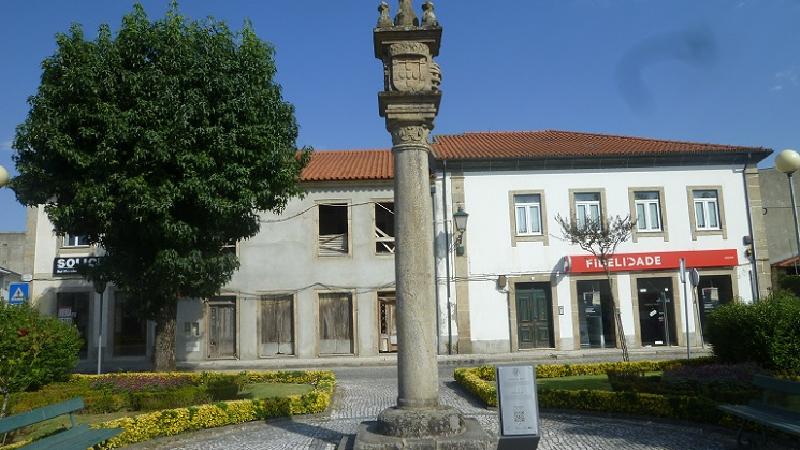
(601, 239)
(161, 143)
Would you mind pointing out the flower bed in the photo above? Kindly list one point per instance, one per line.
(169, 422)
(481, 382)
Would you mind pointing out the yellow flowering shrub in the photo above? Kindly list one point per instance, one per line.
(170, 422)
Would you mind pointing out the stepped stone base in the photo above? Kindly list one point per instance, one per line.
(472, 437)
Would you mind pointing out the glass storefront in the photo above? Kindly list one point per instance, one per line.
(130, 330)
(712, 291)
(73, 308)
(596, 314)
(656, 311)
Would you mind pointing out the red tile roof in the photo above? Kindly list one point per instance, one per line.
(339, 165)
(343, 165)
(553, 144)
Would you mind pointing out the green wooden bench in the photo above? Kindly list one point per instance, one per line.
(765, 411)
(77, 437)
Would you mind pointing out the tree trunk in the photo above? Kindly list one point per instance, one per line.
(164, 356)
(617, 318)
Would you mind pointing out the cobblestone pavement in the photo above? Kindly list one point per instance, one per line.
(363, 392)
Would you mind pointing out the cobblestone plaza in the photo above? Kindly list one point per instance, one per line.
(361, 393)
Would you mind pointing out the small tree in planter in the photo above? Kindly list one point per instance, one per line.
(601, 240)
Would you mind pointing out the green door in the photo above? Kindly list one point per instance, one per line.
(534, 317)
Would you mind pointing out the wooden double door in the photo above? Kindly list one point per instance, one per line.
(534, 304)
(222, 327)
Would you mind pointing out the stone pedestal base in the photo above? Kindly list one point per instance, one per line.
(440, 428)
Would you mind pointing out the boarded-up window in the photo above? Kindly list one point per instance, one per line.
(277, 325)
(384, 227)
(335, 323)
(333, 229)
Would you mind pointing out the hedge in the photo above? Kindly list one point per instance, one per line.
(170, 422)
(481, 382)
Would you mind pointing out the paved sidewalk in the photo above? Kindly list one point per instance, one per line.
(362, 393)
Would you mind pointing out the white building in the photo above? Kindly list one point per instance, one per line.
(519, 285)
(318, 280)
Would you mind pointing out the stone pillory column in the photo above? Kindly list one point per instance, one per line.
(410, 103)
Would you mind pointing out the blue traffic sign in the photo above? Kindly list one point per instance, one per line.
(18, 293)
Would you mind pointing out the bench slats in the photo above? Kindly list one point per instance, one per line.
(79, 437)
(40, 415)
(787, 422)
(777, 384)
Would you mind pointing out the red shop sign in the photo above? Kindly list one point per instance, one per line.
(632, 262)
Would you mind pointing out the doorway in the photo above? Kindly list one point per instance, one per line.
(534, 315)
(656, 311)
(387, 306)
(335, 324)
(222, 327)
(276, 325)
(596, 314)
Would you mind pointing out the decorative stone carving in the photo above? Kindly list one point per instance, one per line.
(428, 15)
(436, 77)
(410, 68)
(384, 19)
(410, 135)
(405, 15)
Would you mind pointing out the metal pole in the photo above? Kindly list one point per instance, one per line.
(445, 218)
(796, 226)
(100, 337)
(686, 315)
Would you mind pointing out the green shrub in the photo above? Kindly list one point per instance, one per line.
(766, 333)
(222, 386)
(34, 349)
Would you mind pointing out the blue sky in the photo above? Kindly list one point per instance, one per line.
(722, 71)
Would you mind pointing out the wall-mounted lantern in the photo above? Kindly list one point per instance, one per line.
(460, 218)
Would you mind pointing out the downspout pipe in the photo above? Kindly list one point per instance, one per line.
(445, 218)
(753, 260)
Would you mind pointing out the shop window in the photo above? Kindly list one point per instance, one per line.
(706, 209)
(130, 329)
(712, 292)
(333, 229)
(528, 214)
(76, 240)
(384, 228)
(277, 325)
(596, 314)
(656, 311)
(648, 211)
(335, 323)
(587, 209)
(73, 308)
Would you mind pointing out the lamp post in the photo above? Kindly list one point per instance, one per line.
(788, 162)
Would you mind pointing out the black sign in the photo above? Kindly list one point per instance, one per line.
(69, 266)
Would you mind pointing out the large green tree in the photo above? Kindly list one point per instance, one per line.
(161, 143)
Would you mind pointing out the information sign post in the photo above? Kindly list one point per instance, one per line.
(518, 407)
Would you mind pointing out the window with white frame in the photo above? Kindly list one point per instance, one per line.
(76, 240)
(587, 208)
(706, 209)
(528, 213)
(648, 211)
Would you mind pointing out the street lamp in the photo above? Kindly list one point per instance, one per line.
(788, 162)
(4, 176)
(460, 218)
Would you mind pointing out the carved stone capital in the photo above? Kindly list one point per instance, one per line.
(405, 134)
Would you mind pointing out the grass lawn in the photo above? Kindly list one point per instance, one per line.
(591, 382)
(265, 390)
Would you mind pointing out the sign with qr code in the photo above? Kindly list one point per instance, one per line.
(517, 401)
